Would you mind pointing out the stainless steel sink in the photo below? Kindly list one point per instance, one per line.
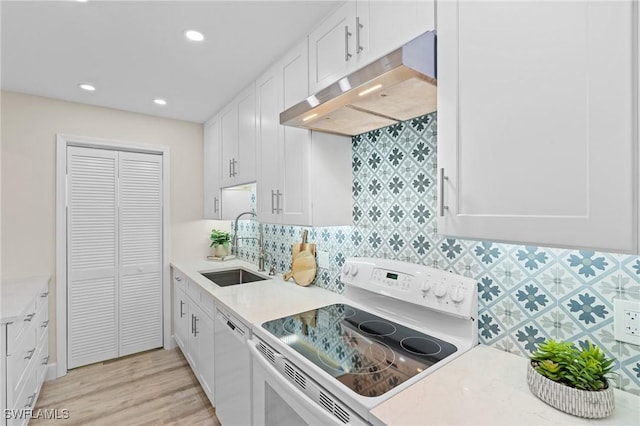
(232, 277)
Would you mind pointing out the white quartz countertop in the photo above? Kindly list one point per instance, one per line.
(254, 303)
(16, 295)
(486, 386)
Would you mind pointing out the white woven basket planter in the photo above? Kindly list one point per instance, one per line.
(581, 403)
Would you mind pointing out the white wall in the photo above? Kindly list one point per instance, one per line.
(28, 127)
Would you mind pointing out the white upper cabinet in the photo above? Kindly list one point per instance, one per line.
(360, 32)
(394, 23)
(212, 168)
(292, 189)
(332, 47)
(269, 162)
(537, 111)
(237, 139)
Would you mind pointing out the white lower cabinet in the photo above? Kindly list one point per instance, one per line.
(193, 329)
(25, 347)
(180, 315)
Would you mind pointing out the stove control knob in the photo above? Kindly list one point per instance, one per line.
(458, 295)
(426, 286)
(441, 291)
(354, 271)
(346, 268)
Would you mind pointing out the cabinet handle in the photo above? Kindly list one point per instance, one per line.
(195, 326)
(359, 26)
(45, 360)
(181, 311)
(30, 317)
(192, 324)
(30, 400)
(278, 196)
(45, 324)
(347, 34)
(177, 279)
(30, 353)
(234, 167)
(273, 204)
(230, 172)
(215, 204)
(45, 294)
(442, 179)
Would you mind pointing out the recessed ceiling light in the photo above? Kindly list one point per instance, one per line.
(159, 101)
(81, 1)
(87, 87)
(194, 35)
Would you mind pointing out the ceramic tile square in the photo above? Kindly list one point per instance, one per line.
(526, 294)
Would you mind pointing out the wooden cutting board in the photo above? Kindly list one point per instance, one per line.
(304, 268)
(300, 247)
(297, 248)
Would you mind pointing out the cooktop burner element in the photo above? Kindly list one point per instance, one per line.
(377, 328)
(369, 354)
(420, 346)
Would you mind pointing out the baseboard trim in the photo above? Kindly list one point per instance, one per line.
(171, 343)
(52, 372)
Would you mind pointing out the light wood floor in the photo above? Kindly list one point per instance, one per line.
(152, 388)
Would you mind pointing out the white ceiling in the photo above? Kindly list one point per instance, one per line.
(135, 51)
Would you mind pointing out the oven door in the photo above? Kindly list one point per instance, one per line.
(278, 402)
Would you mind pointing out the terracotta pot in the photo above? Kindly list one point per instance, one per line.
(581, 403)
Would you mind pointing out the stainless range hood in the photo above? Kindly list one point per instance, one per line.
(396, 87)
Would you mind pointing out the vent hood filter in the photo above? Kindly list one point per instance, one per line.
(397, 87)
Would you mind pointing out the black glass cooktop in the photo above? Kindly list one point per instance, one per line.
(369, 354)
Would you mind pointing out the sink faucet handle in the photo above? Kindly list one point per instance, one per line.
(272, 270)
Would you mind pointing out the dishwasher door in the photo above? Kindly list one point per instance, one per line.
(232, 365)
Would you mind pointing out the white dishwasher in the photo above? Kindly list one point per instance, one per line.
(232, 371)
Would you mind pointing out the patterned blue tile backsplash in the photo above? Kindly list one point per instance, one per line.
(526, 294)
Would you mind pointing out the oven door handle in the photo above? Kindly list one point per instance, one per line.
(295, 394)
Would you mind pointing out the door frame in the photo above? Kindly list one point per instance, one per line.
(62, 142)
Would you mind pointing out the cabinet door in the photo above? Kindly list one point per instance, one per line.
(245, 168)
(391, 24)
(228, 143)
(536, 122)
(332, 47)
(269, 165)
(193, 343)
(180, 318)
(211, 170)
(294, 142)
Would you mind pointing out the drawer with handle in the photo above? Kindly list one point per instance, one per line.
(23, 399)
(179, 279)
(16, 329)
(20, 360)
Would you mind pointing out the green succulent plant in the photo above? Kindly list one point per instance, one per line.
(562, 362)
(219, 237)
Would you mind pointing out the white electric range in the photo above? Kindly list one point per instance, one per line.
(332, 365)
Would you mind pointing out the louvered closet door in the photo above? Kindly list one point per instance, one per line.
(92, 252)
(140, 253)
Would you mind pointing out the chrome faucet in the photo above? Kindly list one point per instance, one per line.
(234, 242)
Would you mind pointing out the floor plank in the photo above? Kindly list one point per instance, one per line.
(151, 388)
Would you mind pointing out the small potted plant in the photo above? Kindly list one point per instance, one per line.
(219, 242)
(572, 380)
